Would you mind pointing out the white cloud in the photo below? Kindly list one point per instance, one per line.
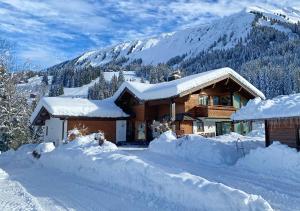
(51, 30)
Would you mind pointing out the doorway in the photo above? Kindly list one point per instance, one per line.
(223, 128)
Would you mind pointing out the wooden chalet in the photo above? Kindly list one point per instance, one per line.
(198, 104)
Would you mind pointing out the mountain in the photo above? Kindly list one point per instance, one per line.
(220, 34)
(262, 44)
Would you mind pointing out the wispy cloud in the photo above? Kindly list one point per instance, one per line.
(50, 31)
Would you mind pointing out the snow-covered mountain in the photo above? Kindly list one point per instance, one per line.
(224, 33)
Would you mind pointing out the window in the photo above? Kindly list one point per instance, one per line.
(203, 100)
(244, 101)
(226, 100)
(198, 126)
(216, 100)
(141, 135)
(236, 101)
(46, 130)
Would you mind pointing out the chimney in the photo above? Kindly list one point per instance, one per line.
(174, 75)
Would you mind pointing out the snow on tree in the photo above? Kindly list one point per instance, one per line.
(14, 112)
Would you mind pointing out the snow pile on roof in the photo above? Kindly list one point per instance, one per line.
(78, 107)
(172, 88)
(281, 106)
(128, 172)
(195, 148)
(277, 159)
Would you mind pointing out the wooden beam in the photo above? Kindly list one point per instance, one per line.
(240, 89)
(214, 85)
(172, 110)
(226, 83)
(267, 133)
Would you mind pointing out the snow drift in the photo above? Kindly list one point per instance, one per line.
(221, 150)
(106, 165)
(277, 159)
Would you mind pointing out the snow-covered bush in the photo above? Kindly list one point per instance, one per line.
(277, 159)
(100, 137)
(160, 127)
(75, 133)
(195, 148)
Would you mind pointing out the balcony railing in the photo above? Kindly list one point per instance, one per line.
(213, 111)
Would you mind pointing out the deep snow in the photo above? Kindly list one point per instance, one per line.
(221, 150)
(141, 179)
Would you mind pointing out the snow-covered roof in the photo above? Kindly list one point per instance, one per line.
(78, 107)
(279, 107)
(163, 90)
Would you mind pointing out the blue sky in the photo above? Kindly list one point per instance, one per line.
(44, 33)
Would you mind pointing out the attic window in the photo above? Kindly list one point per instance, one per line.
(203, 100)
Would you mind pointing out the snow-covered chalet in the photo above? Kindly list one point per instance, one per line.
(199, 104)
(281, 116)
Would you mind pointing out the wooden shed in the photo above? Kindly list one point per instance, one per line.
(281, 116)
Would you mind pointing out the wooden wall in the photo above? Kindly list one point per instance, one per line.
(107, 126)
(186, 127)
(139, 111)
(284, 130)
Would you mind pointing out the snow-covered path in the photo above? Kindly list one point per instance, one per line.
(13, 196)
(38, 188)
(282, 194)
(31, 186)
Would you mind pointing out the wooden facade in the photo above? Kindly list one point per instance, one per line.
(108, 126)
(284, 130)
(143, 113)
(204, 110)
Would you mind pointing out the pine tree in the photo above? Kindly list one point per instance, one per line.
(121, 78)
(114, 83)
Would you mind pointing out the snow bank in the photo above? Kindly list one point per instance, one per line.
(106, 165)
(221, 150)
(277, 159)
(22, 156)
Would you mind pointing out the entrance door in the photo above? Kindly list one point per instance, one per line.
(223, 128)
(120, 130)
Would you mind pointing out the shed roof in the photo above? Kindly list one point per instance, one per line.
(279, 107)
(173, 88)
(78, 107)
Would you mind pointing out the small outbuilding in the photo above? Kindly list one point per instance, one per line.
(58, 115)
(281, 116)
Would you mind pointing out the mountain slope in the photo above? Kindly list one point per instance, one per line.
(220, 34)
(261, 44)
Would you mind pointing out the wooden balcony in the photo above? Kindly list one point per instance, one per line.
(218, 111)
